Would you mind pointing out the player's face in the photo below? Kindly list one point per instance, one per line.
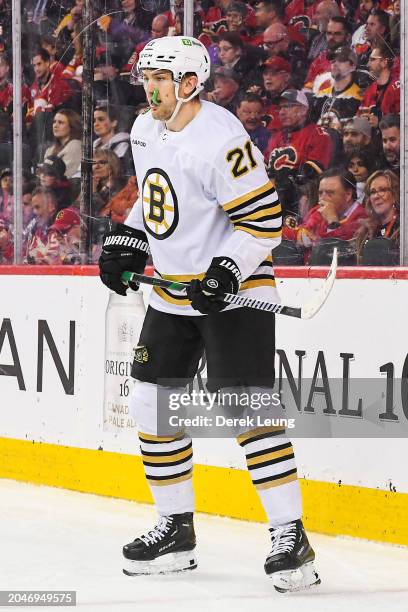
(291, 115)
(102, 124)
(358, 169)
(40, 67)
(391, 144)
(250, 114)
(165, 102)
(381, 197)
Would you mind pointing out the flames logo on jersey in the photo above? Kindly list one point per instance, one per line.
(160, 206)
(283, 157)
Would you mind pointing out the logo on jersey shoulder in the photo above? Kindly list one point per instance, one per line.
(187, 42)
(139, 143)
(160, 205)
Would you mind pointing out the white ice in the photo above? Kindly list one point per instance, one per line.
(56, 539)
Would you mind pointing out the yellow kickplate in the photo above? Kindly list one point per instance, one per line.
(328, 507)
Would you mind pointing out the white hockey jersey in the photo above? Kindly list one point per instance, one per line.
(204, 192)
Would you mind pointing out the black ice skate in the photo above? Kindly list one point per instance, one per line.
(168, 547)
(290, 562)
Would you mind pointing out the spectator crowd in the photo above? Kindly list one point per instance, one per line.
(314, 82)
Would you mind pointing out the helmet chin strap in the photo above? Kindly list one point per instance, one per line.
(181, 101)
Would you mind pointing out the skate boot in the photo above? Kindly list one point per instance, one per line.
(290, 562)
(168, 547)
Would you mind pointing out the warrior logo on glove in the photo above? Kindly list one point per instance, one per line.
(124, 249)
(223, 276)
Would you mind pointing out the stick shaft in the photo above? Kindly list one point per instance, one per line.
(230, 298)
(307, 311)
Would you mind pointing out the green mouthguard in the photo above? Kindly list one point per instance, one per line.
(155, 97)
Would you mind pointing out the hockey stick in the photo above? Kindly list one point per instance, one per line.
(304, 312)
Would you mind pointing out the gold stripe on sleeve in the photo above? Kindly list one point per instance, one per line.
(247, 196)
(258, 234)
(262, 282)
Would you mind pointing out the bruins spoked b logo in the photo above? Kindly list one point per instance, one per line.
(160, 207)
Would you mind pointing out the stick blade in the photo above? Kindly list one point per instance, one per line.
(311, 308)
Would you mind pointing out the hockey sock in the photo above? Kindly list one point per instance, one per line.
(271, 464)
(168, 464)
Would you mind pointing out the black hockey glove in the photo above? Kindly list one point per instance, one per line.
(124, 248)
(223, 276)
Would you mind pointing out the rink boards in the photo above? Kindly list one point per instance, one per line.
(51, 389)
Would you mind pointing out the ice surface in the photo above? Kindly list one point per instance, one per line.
(61, 540)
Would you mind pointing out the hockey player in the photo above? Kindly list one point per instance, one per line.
(209, 215)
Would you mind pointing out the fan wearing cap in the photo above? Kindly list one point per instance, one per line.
(276, 76)
(357, 132)
(49, 238)
(342, 95)
(226, 88)
(52, 176)
(64, 237)
(299, 151)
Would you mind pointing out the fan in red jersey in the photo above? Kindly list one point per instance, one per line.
(299, 151)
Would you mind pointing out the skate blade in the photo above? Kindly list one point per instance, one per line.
(299, 579)
(166, 564)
